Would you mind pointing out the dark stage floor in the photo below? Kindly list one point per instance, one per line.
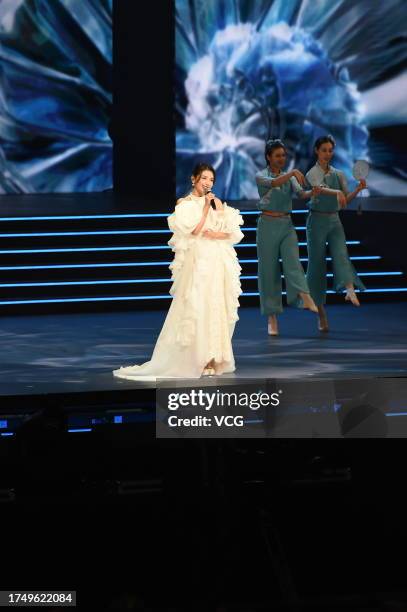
(77, 352)
(345, 383)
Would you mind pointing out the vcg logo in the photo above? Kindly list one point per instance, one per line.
(229, 421)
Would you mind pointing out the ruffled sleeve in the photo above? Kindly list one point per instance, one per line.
(185, 217)
(232, 222)
(182, 222)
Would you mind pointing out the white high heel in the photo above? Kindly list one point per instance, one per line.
(322, 320)
(208, 372)
(323, 328)
(271, 331)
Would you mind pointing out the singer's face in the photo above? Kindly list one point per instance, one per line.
(204, 183)
(325, 153)
(277, 158)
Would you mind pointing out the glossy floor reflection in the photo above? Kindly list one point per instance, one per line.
(77, 352)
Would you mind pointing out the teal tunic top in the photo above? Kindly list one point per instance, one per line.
(334, 179)
(275, 198)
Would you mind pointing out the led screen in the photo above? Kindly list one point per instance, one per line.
(291, 69)
(55, 95)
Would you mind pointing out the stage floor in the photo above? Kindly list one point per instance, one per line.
(77, 352)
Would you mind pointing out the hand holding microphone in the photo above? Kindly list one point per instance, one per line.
(210, 198)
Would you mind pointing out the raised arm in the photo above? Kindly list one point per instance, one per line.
(348, 196)
(265, 181)
(212, 234)
(354, 193)
(200, 225)
(209, 196)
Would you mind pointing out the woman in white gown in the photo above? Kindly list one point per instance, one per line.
(196, 338)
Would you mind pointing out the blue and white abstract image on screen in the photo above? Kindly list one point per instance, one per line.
(291, 69)
(55, 95)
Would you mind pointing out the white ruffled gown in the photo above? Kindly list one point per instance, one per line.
(206, 286)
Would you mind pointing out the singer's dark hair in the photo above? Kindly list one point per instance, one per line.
(272, 145)
(323, 140)
(201, 167)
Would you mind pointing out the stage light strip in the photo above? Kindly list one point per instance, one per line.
(108, 233)
(147, 263)
(123, 248)
(243, 277)
(126, 298)
(130, 281)
(73, 217)
(354, 257)
(88, 282)
(330, 274)
(6, 434)
(385, 290)
(86, 249)
(80, 429)
(118, 216)
(96, 233)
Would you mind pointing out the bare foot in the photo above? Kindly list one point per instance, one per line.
(322, 319)
(308, 302)
(351, 297)
(272, 327)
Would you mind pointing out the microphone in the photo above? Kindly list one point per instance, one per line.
(208, 190)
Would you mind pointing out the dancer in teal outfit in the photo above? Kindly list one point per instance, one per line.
(276, 236)
(324, 226)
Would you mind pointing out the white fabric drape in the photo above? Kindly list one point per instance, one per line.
(205, 289)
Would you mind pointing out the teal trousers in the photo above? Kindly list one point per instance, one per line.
(323, 229)
(276, 237)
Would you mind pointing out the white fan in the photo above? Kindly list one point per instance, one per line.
(360, 169)
(316, 178)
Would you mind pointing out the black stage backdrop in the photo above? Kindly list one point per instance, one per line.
(142, 125)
